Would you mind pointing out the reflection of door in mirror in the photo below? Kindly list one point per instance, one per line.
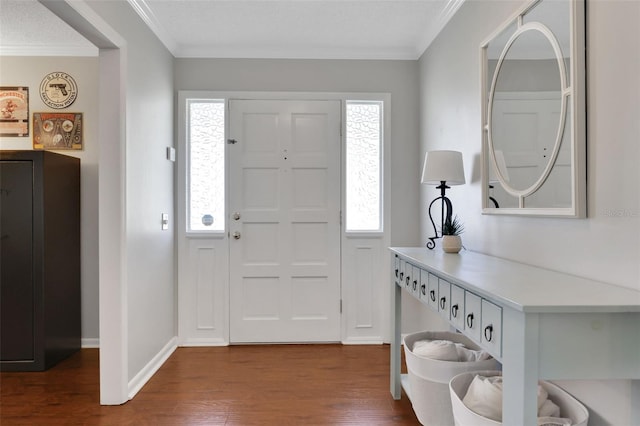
(524, 121)
(529, 122)
(556, 190)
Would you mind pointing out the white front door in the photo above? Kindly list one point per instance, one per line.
(284, 206)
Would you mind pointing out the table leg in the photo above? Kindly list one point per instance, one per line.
(520, 368)
(396, 316)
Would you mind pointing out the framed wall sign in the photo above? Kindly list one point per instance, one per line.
(14, 111)
(57, 130)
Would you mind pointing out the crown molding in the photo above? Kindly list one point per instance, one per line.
(146, 14)
(444, 17)
(43, 50)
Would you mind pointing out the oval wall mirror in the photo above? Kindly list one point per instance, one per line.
(533, 91)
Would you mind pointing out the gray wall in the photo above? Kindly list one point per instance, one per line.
(150, 269)
(606, 246)
(399, 78)
(29, 71)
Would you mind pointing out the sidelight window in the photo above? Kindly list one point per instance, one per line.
(205, 165)
(363, 166)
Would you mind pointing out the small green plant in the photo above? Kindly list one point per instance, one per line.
(452, 226)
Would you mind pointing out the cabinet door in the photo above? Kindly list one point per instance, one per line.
(432, 292)
(424, 287)
(472, 316)
(17, 290)
(415, 282)
(444, 298)
(403, 265)
(396, 269)
(491, 328)
(408, 273)
(457, 307)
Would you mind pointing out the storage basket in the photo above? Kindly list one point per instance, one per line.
(429, 378)
(463, 416)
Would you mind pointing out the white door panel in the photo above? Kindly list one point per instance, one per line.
(285, 187)
(202, 299)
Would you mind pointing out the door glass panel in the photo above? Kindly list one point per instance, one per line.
(205, 171)
(363, 172)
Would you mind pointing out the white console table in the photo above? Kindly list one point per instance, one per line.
(538, 323)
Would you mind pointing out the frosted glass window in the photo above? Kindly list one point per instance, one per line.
(364, 149)
(205, 146)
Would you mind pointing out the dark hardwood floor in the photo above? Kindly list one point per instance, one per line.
(235, 385)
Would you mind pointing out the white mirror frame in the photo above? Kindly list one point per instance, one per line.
(573, 94)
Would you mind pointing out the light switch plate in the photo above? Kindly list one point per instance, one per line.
(171, 154)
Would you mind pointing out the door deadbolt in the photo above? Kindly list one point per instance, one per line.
(236, 216)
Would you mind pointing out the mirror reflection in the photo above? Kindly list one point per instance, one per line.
(526, 107)
(528, 114)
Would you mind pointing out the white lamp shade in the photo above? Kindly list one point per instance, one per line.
(502, 166)
(443, 166)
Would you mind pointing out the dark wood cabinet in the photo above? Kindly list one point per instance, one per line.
(39, 259)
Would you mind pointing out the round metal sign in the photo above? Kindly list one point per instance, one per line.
(58, 90)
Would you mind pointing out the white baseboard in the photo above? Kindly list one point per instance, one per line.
(150, 369)
(89, 342)
(362, 341)
(203, 342)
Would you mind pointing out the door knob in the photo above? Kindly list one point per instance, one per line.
(236, 235)
(236, 216)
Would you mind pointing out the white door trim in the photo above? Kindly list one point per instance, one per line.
(114, 386)
(353, 331)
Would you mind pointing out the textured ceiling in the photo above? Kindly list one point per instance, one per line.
(28, 28)
(342, 29)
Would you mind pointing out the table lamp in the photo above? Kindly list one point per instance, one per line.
(442, 168)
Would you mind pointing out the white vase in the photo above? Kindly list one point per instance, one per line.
(451, 243)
